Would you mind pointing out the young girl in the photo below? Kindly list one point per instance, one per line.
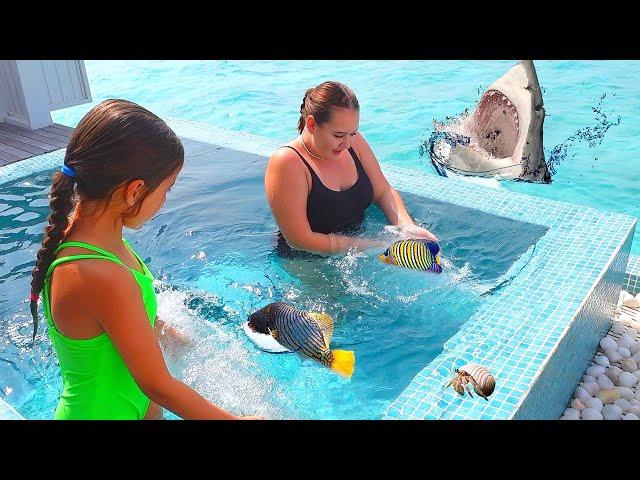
(98, 297)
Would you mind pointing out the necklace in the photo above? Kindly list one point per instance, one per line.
(308, 151)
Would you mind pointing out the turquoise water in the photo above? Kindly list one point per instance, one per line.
(213, 251)
(399, 100)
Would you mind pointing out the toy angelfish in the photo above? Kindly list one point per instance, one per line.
(417, 254)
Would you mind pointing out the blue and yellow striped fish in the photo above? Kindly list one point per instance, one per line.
(308, 333)
(417, 254)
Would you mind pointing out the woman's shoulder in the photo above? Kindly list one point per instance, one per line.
(363, 149)
(359, 142)
(285, 157)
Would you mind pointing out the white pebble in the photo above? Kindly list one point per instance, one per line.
(635, 347)
(630, 416)
(581, 394)
(579, 405)
(618, 327)
(625, 405)
(625, 392)
(604, 382)
(588, 378)
(595, 370)
(608, 343)
(636, 398)
(627, 299)
(594, 404)
(608, 395)
(633, 334)
(624, 352)
(626, 319)
(591, 414)
(591, 387)
(636, 357)
(572, 414)
(602, 360)
(635, 409)
(624, 341)
(611, 412)
(629, 365)
(626, 379)
(613, 372)
(614, 356)
(637, 375)
(631, 302)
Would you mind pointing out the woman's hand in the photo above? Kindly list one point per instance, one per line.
(413, 231)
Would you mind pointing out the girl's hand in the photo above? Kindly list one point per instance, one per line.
(165, 331)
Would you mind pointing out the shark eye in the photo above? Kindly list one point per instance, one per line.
(538, 108)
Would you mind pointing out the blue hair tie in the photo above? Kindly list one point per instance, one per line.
(70, 172)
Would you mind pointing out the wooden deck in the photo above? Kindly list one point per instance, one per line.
(18, 143)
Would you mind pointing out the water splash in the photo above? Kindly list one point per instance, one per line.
(592, 135)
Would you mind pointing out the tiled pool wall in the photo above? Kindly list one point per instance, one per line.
(522, 333)
(632, 275)
(517, 332)
(554, 388)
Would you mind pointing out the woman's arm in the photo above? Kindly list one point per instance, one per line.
(287, 190)
(385, 197)
(121, 313)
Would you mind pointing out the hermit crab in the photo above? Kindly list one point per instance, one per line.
(476, 375)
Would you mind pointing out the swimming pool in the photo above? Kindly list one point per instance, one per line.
(214, 252)
(533, 322)
(399, 100)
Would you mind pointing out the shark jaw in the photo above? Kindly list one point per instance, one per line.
(502, 137)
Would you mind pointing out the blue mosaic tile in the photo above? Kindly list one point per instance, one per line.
(632, 275)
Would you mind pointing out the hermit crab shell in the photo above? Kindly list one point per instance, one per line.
(482, 377)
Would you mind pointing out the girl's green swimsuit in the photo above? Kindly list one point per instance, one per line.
(96, 382)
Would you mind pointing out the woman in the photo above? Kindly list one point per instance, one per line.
(319, 185)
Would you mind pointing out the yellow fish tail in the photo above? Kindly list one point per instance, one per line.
(343, 362)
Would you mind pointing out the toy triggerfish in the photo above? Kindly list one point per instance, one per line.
(308, 333)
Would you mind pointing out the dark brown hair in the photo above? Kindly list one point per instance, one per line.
(321, 100)
(116, 142)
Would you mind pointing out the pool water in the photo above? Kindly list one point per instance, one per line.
(213, 250)
(590, 131)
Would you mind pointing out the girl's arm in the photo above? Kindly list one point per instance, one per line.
(165, 331)
(120, 311)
